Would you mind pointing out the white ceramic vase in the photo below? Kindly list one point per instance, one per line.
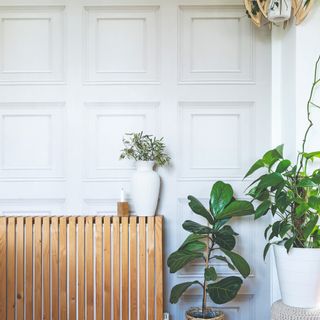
(145, 188)
(299, 276)
(279, 10)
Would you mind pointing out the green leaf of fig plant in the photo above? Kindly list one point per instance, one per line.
(214, 241)
(290, 191)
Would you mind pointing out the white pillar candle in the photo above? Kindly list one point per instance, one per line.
(122, 197)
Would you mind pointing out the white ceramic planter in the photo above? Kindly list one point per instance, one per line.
(279, 10)
(299, 276)
(145, 188)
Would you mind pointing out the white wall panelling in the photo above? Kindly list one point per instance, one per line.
(216, 45)
(106, 124)
(31, 44)
(32, 140)
(216, 139)
(121, 44)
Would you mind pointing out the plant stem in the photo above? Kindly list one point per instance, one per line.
(204, 298)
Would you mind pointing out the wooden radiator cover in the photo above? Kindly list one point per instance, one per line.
(81, 268)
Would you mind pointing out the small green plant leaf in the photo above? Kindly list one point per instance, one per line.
(307, 230)
(224, 290)
(266, 249)
(301, 209)
(195, 227)
(237, 208)
(257, 165)
(240, 263)
(224, 259)
(306, 183)
(198, 208)
(284, 228)
(210, 274)
(180, 258)
(221, 195)
(289, 243)
(178, 290)
(283, 166)
(270, 180)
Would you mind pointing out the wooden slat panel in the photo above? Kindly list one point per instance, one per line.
(29, 268)
(3, 267)
(151, 279)
(133, 268)
(37, 269)
(72, 269)
(107, 267)
(116, 268)
(55, 267)
(125, 268)
(142, 268)
(81, 259)
(63, 268)
(20, 269)
(89, 268)
(99, 284)
(46, 267)
(159, 269)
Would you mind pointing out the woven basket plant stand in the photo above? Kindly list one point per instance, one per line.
(280, 311)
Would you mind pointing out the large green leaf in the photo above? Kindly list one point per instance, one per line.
(179, 289)
(262, 209)
(225, 241)
(257, 165)
(180, 258)
(307, 183)
(272, 156)
(224, 290)
(270, 180)
(240, 263)
(314, 202)
(224, 259)
(192, 238)
(220, 197)
(236, 208)
(198, 208)
(195, 246)
(210, 274)
(195, 227)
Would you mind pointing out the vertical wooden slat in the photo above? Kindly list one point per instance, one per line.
(29, 268)
(142, 268)
(63, 268)
(37, 269)
(81, 259)
(159, 269)
(55, 267)
(133, 268)
(116, 268)
(107, 267)
(3, 267)
(72, 269)
(89, 268)
(20, 269)
(46, 267)
(125, 268)
(99, 284)
(151, 268)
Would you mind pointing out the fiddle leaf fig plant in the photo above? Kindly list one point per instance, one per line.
(214, 241)
(290, 191)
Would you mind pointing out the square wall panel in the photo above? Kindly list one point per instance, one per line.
(215, 45)
(106, 125)
(31, 44)
(215, 139)
(121, 44)
(31, 141)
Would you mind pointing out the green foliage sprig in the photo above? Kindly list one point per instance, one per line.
(143, 147)
(290, 191)
(212, 242)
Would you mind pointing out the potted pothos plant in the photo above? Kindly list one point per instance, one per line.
(212, 242)
(147, 151)
(290, 192)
